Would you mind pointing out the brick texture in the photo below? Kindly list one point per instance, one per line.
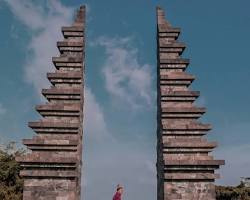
(52, 170)
(185, 168)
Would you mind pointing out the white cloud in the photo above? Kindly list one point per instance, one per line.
(27, 13)
(94, 123)
(108, 161)
(125, 78)
(44, 23)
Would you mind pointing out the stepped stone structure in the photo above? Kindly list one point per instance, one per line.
(185, 169)
(52, 171)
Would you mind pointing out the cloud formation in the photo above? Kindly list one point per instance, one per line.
(126, 80)
(44, 24)
(108, 160)
(94, 122)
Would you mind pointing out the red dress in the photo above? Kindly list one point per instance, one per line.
(117, 196)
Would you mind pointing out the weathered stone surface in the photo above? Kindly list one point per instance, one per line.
(174, 61)
(192, 126)
(185, 169)
(52, 171)
(202, 190)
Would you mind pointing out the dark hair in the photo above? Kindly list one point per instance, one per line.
(118, 187)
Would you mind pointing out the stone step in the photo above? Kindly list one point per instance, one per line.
(70, 43)
(65, 77)
(174, 62)
(177, 144)
(58, 148)
(48, 157)
(63, 110)
(178, 150)
(48, 173)
(163, 28)
(191, 129)
(191, 176)
(73, 31)
(197, 163)
(176, 78)
(70, 46)
(72, 28)
(189, 168)
(41, 141)
(174, 47)
(67, 61)
(167, 138)
(55, 93)
(63, 127)
(168, 35)
(177, 96)
(182, 112)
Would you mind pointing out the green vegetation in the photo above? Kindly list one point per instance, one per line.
(232, 193)
(11, 184)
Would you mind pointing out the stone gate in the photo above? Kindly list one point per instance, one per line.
(185, 169)
(52, 171)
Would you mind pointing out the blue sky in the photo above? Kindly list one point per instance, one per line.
(120, 109)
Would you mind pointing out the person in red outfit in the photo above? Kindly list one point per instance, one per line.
(118, 194)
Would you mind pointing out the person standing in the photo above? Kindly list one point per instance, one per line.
(119, 192)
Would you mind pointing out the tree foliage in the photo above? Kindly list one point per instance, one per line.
(11, 184)
(232, 193)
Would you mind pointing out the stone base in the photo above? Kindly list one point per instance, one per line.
(189, 190)
(49, 189)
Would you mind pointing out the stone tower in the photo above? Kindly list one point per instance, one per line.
(52, 171)
(185, 169)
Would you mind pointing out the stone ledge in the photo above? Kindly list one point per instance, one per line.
(63, 75)
(48, 173)
(168, 35)
(67, 59)
(177, 76)
(176, 144)
(72, 28)
(177, 150)
(74, 107)
(172, 45)
(70, 43)
(50, 142)
(194, 162)
(188, 127)
(183, 110)
(74, 34)
(43, 124)
(174, 61)
(190, 176)
(62, 91)
(163, 28)
(35, 157)
(180, 93)
(65, 78)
